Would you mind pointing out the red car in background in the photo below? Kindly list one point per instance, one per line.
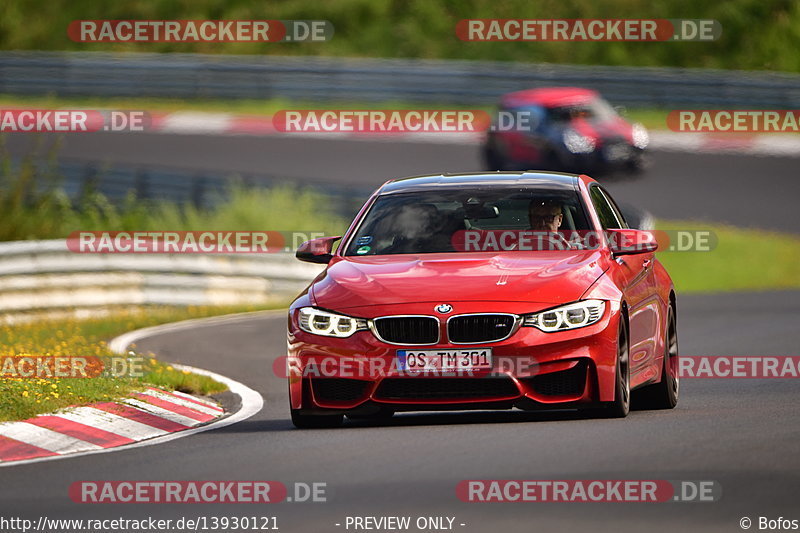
(407, 317)
(562, 128)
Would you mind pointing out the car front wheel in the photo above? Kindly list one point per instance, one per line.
(620, 407)
(664, 394)
(492, 158)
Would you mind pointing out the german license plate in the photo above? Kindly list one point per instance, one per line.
(466, 359)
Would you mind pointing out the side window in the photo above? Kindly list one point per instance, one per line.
(608, 219)
(536, 118)
(622, 222)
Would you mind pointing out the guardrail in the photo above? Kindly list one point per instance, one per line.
(335, 79)
(45, 276)
(203, 189)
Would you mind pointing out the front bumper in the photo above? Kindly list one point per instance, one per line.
(607, 156)
(531, 370)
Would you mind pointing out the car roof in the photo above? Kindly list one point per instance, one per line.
(549, 96)
(545, 180)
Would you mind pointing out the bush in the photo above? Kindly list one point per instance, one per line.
(756, 34)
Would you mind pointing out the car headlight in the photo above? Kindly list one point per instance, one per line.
(640, 136)
(577, 143)
(320, 322)
(570, 316)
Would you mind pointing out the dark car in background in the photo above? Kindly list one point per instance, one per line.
(562, 128)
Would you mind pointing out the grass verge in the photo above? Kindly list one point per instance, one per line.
(26, 397)
(743, 260)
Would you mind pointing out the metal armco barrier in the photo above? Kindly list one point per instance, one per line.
(203, 189)
(336, 79)
(45, 275)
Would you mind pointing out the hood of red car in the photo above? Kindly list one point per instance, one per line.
(543, 277)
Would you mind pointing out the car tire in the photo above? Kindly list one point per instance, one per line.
(638, 165)
(492, 158)
(550, 161)
(620, 407)
(664, 394)
(305, 421)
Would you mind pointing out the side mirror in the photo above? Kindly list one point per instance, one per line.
(317, 250)
(631, 241)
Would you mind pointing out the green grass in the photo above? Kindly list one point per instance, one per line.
(26, 397)
(756, 34)
(652, 119)
(743, 260)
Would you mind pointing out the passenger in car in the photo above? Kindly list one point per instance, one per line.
(548, 215)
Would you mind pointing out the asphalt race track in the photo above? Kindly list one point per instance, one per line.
(740, 433)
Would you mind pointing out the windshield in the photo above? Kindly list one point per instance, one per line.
(434, 221)
(597, 110)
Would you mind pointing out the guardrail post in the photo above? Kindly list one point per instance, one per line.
(198, 192)
(141, 184)
(90, 182)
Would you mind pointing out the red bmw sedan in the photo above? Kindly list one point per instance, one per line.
(483, 291)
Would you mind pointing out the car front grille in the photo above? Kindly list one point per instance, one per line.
(339, 389)
(446, 388)
(565, 383)
(480, 328)
(615, 150)
(407, 329)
